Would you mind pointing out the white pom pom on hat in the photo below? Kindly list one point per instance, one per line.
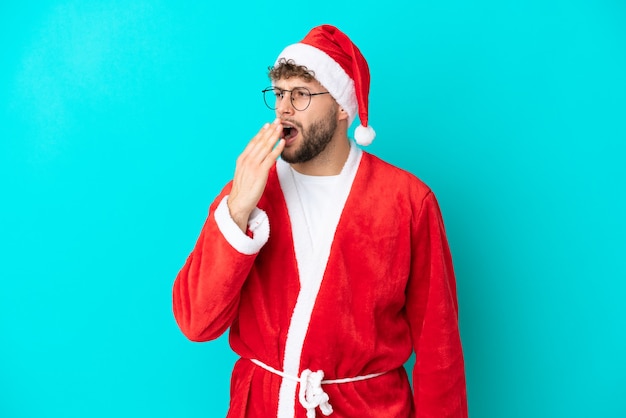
(364, 135)
(341, 68)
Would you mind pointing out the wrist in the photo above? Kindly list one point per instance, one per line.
(238, 215)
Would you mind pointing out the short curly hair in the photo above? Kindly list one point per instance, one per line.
(288, 68)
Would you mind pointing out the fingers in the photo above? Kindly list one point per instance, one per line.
(272, 156)
(263, 142)
(257, 138)
(251, 171)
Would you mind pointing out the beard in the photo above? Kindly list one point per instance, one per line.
(315, 138)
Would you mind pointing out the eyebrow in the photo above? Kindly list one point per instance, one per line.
(294, 87)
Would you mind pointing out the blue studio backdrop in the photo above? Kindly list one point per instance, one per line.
(121, 120)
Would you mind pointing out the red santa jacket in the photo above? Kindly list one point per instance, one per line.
(386, 287)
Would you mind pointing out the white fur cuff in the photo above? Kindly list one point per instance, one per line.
(258, 224)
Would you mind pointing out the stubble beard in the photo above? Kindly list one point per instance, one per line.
(315, 139)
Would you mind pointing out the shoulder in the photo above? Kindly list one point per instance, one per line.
(379, 172)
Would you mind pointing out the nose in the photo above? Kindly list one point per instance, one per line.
(284, 107)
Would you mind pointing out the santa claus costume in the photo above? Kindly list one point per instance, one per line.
(339, 279)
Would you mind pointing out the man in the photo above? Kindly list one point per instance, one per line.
(329, 265)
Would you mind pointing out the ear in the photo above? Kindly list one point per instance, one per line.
(342, 114)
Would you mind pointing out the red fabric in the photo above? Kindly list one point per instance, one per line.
(388, 289)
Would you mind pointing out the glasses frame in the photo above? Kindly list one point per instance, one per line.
(282, 96)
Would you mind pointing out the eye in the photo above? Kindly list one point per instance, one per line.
(278, 93)
(300, 93)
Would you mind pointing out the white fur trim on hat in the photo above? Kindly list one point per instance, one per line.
(328, 72)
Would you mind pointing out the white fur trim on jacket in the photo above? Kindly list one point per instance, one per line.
(311, 261)
(258, 224)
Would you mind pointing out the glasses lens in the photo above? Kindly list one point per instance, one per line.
(271, 95)
(300, 98)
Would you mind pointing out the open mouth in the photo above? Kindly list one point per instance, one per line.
(289, 132)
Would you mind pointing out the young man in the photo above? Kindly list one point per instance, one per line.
(329, 265)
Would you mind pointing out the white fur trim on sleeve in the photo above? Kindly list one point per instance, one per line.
(258, 224)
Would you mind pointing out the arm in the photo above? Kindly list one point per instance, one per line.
(438, 375)
(207, 289)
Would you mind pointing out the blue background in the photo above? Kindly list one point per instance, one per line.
(121, 120)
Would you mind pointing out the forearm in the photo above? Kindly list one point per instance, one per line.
(207, 288)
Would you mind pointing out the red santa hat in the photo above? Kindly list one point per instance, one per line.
(341, 68)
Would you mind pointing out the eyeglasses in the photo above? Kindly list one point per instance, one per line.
(300, 97)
